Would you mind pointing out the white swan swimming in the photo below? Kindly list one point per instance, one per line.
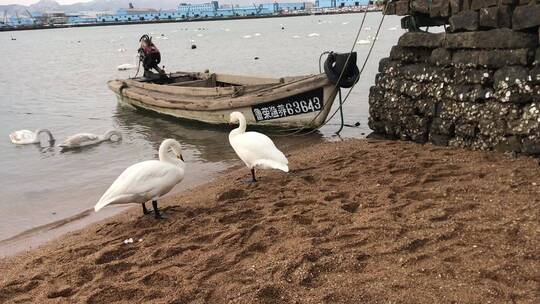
(126, 66)
(24, 137)
(363, 41)
(87, 139)
(147, 180)
(256, 150)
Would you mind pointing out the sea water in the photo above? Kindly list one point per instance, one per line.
(56, 79)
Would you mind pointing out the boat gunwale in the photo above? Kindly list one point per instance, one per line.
(197, 102)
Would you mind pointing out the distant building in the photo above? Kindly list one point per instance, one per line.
(185, 11)
(341, 3)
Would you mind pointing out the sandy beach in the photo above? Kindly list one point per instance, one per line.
(359, 221)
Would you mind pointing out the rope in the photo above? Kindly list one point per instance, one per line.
(138, 67)
(296, 131)
(361, 71)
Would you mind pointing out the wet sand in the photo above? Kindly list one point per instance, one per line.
(360, 221)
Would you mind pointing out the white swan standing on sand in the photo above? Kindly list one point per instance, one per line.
(87, 139)
(24, 137)
(147, 180)
(256, 150)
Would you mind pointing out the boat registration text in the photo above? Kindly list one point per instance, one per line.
(307, 102)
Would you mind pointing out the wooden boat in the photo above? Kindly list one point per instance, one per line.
(289, 102)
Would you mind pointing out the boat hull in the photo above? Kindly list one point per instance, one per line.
(294, 106)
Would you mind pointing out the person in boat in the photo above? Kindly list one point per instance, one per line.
(149, 56)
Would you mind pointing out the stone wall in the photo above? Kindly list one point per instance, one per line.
(476, 85)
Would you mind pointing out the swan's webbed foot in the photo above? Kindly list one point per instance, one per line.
(254, 179)
(157, 214)
(144, 210)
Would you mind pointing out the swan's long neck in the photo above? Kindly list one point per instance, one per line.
(111, 133)
(51, 138)
(164, 155)
(241, 128)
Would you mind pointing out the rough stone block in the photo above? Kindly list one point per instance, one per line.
(466, 20)
(534, 75)
(466, 130)
(441, 57)
(435, 10)
(407, 54)
(491, 58)
(456, 6)
(505, 16)
(421, 39)
(526, 17)
(472, 76)
(509, 144)
(477, 4)
(439, 139)
(466, 5)
(390, 66)
(530, 146)
(420, 6)
(509, 75)
(489, 17)
(390, 8)
(492, 39)
(445, 8)
(402, 8)
(507, 2)
(496, 17)
(537, 57)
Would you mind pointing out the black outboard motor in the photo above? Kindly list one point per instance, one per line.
(336, 63)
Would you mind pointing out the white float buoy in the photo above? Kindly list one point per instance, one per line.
(126, 66)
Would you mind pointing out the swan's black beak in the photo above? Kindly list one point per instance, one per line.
(181, 158)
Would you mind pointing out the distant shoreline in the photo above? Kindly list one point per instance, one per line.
(61, 26)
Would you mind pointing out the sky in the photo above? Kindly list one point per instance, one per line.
(27, 2)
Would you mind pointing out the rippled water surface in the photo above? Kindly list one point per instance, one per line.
(56, 79)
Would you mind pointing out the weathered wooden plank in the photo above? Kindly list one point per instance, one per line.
(492, 39)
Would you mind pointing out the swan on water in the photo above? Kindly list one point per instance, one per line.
(87, 139)
(256, 150)
(23, 137)
(126, 66)
(147, 180)
(363, 41)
